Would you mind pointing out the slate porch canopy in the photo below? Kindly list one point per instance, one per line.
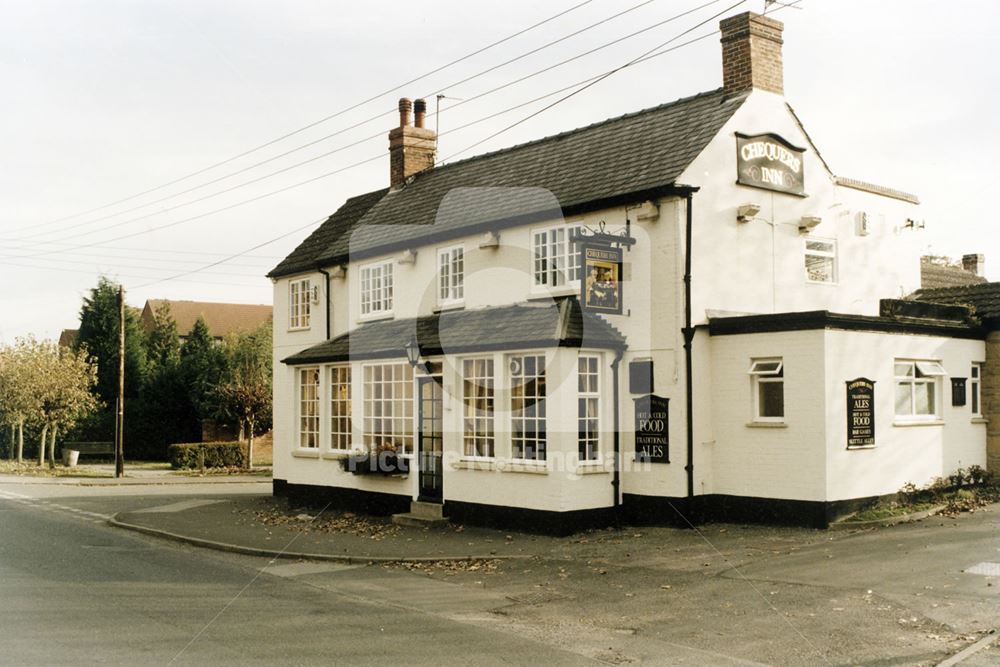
(546, 324)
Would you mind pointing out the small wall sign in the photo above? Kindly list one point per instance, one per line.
(860, 413)
(768, 161)
(958, 392)
(652, 425)
(601, 287)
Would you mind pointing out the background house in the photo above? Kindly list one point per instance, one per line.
(222, 318)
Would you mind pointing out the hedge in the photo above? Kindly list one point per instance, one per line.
(207, 455)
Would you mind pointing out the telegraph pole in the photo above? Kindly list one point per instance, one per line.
(120, 399)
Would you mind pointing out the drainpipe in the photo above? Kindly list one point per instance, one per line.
(616, 477)
(326, 297)
(688, 339)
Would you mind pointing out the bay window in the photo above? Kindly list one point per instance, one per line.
(527, 407)
(477, 407)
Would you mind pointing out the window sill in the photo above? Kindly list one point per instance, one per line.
(767, 424)
(305, 453)
(452, 305)
(296, 329)
(528, 467)
(828, 283)
(474, 464)
(336, 455)
(591, 469)
(926, 422)
(980, 420)
(375, 317)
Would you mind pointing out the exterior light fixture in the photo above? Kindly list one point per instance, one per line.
(808, 223)
(746, 212)
(412, 348)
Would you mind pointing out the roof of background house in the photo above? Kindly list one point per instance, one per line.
(559, 323)
(222, 318)
(983, 297)
(67, 338)
(636, 153)
(934, 274)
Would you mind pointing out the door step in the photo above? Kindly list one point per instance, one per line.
(422, 515)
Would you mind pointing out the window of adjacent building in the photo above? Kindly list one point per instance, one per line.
(451, 275)
(376, 288)
(975, 389)
(299, 298)
(477, 401)
(389, 407)
(309, 408)
(340, 407)
(556, 261)
(918, 385)
(588, 407)
(768, 379)
(821, 261)
(527, 407)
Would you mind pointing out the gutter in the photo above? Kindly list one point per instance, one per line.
(616, 475)
(688, 332)
(326, 297)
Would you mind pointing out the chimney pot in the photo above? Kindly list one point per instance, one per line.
(974, 263)
(419, 112)
(751, 54)
(404, 111)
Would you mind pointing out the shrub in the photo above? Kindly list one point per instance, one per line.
(979, 475)
(207, 455)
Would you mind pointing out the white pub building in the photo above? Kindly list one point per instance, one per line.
(678, 315)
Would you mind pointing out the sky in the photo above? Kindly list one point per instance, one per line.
(116, 114)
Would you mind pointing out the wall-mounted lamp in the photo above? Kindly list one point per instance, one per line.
(338, 272)
(808, 223)
(746, 212)
(412, 348)
(490, 239)
(407, 257)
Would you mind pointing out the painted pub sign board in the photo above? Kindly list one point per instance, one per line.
(601, 287)
(768, 161)
(860, 413)
(652, 427)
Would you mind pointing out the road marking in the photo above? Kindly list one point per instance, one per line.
(987, 569)
(179, 506)
(84, 515)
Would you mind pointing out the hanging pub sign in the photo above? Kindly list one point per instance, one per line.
(601, 287)
(768, 161)
(651, 429)
(860, 413)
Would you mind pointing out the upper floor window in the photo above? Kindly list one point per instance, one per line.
(527, 407)
(767, 377)
(917, 388)
(975, 389)
(821, 261)
(376, 288)
(556, 261)
(299, 299)
(451, 275)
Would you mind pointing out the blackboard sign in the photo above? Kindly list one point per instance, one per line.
(652, 429)
(958, 392)
(860, 413)
(768, 161)
(601, 286)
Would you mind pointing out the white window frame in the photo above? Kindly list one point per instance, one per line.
(308, 408)
(767, 370)
(470, 411)
(518, 415)
(976, 389)
(588, 427)
(299, 304)
(555, 263)
(824, 254)
(375, 289)
(340, 407)
(375, 399)
(451, 275)
(925, 372)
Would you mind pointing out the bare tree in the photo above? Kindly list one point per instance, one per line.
(246, 392)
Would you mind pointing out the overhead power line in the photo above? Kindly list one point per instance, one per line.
(319, 121)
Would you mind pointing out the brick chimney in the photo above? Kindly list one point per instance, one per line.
(975, 263)
(412, 148)
(751, 54)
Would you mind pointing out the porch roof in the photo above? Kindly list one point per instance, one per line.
(559, 323)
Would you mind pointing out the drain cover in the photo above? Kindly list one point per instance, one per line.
(987, 569)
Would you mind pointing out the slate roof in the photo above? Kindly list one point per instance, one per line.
(984, 298)
(933, 275)
(641, 152)
(543, 324)
(222, 318)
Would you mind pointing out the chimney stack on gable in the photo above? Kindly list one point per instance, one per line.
(751, 54)
(975, 263)
(412, 148)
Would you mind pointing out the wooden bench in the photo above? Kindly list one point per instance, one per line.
(91, 448)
